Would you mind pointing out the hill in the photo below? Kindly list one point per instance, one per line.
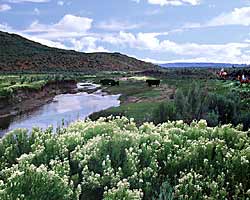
(21, 54)
(200, 65)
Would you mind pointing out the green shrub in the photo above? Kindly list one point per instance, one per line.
(212, 118)
(164, 112)
(196, 103)
(227, 106)
(244, 119)
(191, 104)
(166, 192)
(114, 159)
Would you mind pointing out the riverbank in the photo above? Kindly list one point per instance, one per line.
(138, 100)
(27, 99)
(71, 103)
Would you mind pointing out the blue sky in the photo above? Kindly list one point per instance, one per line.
(151, 30)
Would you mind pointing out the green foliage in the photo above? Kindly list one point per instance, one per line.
(190, 104)
(112, 158)
(196, 103)
(227, 106)
(164, 112)
(9, 84)
(245, 120)
(212, 118)
(181, 104)
(141, 111)
(29, 182)
(166, 192)
(122, 191)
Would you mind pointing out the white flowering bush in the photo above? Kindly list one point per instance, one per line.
(112, 158)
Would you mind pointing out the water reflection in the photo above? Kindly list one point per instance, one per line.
(67, 107)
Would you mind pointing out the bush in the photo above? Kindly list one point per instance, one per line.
(165, 112)
(227, 107)
(191, 104)
(244, 119)
(197, 103)
(212, 118)
(114, 159)
(166, 192)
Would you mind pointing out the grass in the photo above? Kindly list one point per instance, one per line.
(213, 85)
(149, 94)
(141, 112)
(11, 83)
(147, 97)
(132, 89)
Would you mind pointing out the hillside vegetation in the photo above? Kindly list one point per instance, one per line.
(113, 159)
(20, 54)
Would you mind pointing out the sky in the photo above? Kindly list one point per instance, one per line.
(158, 31)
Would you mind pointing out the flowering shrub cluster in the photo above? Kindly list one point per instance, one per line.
(114, 159)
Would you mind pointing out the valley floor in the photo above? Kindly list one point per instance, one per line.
(138, 100)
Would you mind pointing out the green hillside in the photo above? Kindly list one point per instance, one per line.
(21, 54)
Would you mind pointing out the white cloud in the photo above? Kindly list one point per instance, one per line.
(69, 33)
(114, 25)
(151, 60)
(4, 7)
(74, 23)
(153, 12)
(212, 6)
(239, 16)
(60, 3)
(5, 27)
(148, 41)
(174, 2)
(87, 44)
(192, 25)
(32, 1)
(48, 43)
(68, 26)
(229, 52)
(36, 11)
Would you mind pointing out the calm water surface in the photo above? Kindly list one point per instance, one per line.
(65, 107)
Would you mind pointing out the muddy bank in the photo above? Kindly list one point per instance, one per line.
(25, 100)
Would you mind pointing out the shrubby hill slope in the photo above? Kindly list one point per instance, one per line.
(21, 54)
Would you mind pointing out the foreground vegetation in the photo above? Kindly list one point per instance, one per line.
(114, 159)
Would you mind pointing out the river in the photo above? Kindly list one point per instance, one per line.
(65, 108)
